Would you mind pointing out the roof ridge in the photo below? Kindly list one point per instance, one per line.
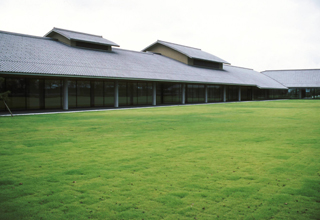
(291, 70)
(240, 67)
(134, 51)
(26, 35)
(274, 79)
(76, 32)
(159, 41)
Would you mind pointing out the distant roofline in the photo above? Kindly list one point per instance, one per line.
(239, 67)
(290, 70)
(77, 32)
(178, 44)
(160, 42)
(58, 31)
(27, 35)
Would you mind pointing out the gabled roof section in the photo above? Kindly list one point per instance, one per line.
(296, 78)
(78, 36)
(191, 52)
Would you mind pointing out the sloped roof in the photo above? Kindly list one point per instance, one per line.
(73, 35)
(190, 52)
(296, 78)
(23, 54)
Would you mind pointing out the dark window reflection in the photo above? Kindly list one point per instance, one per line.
(17, 97)
(53, 94)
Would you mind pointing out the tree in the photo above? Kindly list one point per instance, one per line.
(4, 97)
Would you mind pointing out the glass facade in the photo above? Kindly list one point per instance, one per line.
(72, 93)
(17, 97)
(317, 93)
(293, 93)
(260, 94)
(34, 91)
(310, 93)
(195, 93)
(2, 89)
(232, 93)
(83, 93)
(246, 93)
(108, 93)
(135, 93)
(97, 94)
(278, 93)
(53, 94)
(169, 93)
(44, 93)
(215, 93)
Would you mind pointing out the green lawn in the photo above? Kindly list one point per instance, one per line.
(250, 160)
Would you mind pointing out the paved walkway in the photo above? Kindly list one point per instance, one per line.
(46, 112)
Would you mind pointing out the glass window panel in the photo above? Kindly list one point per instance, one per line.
(317, 93)
(294, 93)
(83, 93)
(108, 93)
(246, 93)
(215, 93)
(72, 93)
(189, 96)
(98, 93)
(2, 89)
(149, 91)
(33, 94)
(159, 93)
(53, 94)
(123, 98)
(17, 97)
(232, 93)
(167, 93)
(201, 93)
(142, 93)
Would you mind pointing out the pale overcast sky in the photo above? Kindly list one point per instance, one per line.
(257, 34)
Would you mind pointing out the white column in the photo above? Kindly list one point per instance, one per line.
(116, 94)
(154, 93)
(183, 95)
(65, 95)
(239, 93)
(206, 93)
(224, 93)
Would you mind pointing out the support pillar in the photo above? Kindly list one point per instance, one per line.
(206, 93)
(239, 94)
(65, 95)
(224, 93)
(154, 93)
(183, 95)
(116, 94)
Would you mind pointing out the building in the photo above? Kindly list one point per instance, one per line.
(67, 69)
(300, 83)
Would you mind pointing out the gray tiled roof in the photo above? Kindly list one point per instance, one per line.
(296, 78)
(190, 52)
(73, 35)
(33, 55)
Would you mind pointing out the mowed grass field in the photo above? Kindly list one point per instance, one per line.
(250, 160)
